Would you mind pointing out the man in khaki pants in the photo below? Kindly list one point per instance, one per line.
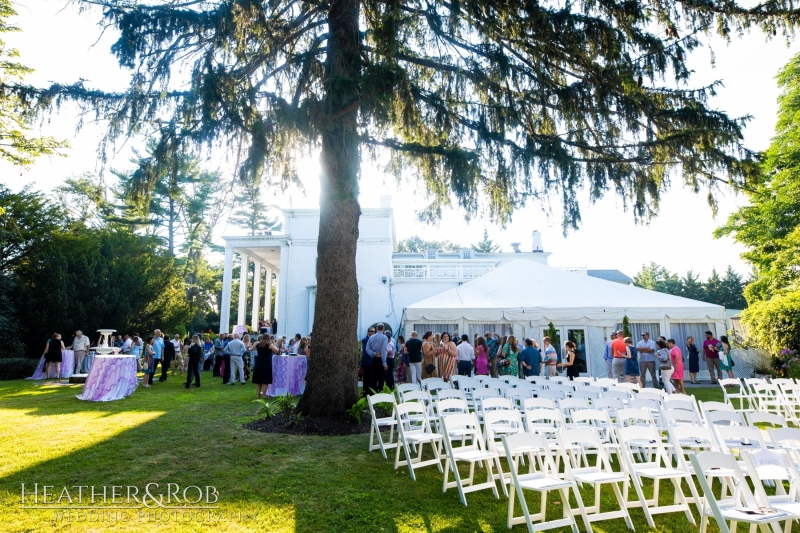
(81, 347)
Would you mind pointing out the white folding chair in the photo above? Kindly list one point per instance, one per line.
(734, 439)
(495, 425)
(551, 394)
(414, 431)
(650, 394)
(686, 440)
(727, 418)
(656, 464)
(493, 404)
(634, 417)
(472, 453)
(447, 394)
(420, 396)
(546, 422)
(538, 403)
(776, 468)
(578, 467)
(791, 394)
(783, 382)
(478, 395)
(606, 383)
(678, 417)
(438, 383)
(630, 387)
(407, 387)
(568, 405)
(709, 407)
(435, 389)
(559, 379)
(749, 383)
(377, 423)
(600, 422)
(741, 507)
(681, 404)
(769, 398)
(542, 480)
(765, 419)
(589, 396)
(734, 390)
(447, 407)
(536, 379)
(609, 405)
(584, 381)
(786, 439)
(621, 395)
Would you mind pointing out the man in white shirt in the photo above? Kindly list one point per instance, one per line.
(127, 344)
(647, 349)
(236, 349)
(465, 355)
(296, 345)
(390, 348)
(81, 347)
(550, 358)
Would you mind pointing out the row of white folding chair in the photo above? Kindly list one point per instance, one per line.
(417, 431)
(641, 468)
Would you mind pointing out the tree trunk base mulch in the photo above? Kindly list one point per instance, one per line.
(335, 426)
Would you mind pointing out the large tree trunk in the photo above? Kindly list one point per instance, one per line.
(331, 385)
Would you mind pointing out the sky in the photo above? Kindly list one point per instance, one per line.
(64, 45)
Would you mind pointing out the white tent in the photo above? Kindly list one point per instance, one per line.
(528, 296)
(527, 291)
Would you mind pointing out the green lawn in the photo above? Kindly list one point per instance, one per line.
(195, 437)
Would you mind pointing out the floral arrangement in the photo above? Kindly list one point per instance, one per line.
(788, 360)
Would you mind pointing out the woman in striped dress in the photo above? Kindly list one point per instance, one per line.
(447, 357)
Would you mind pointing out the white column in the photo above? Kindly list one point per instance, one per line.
(256, 294)
(279, 314)
(268, 294)
(227, 282)
(241, 321)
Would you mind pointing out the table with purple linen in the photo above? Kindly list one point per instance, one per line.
(67, 366)
(288, 375)
(112, 377)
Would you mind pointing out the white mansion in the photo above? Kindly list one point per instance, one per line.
(388, 281)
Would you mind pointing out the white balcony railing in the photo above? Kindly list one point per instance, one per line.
(442, 272)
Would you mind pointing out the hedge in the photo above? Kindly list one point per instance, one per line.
(17, 368)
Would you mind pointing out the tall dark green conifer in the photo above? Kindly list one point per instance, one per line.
(505, 101)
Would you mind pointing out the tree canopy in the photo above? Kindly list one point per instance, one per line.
(416, 244)
(769, 226)
(726, 290)
(505, 102)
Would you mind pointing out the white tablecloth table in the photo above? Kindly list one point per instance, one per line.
(288, 375)
(67, 365)
(112, 377)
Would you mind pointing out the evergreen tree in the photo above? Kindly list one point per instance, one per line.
(16, 143)
(26, 218)
(486, 245)
(655, 277)
(252, 214)
(733, 289)
(505, 100)
(692, 287)
(714, 289)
